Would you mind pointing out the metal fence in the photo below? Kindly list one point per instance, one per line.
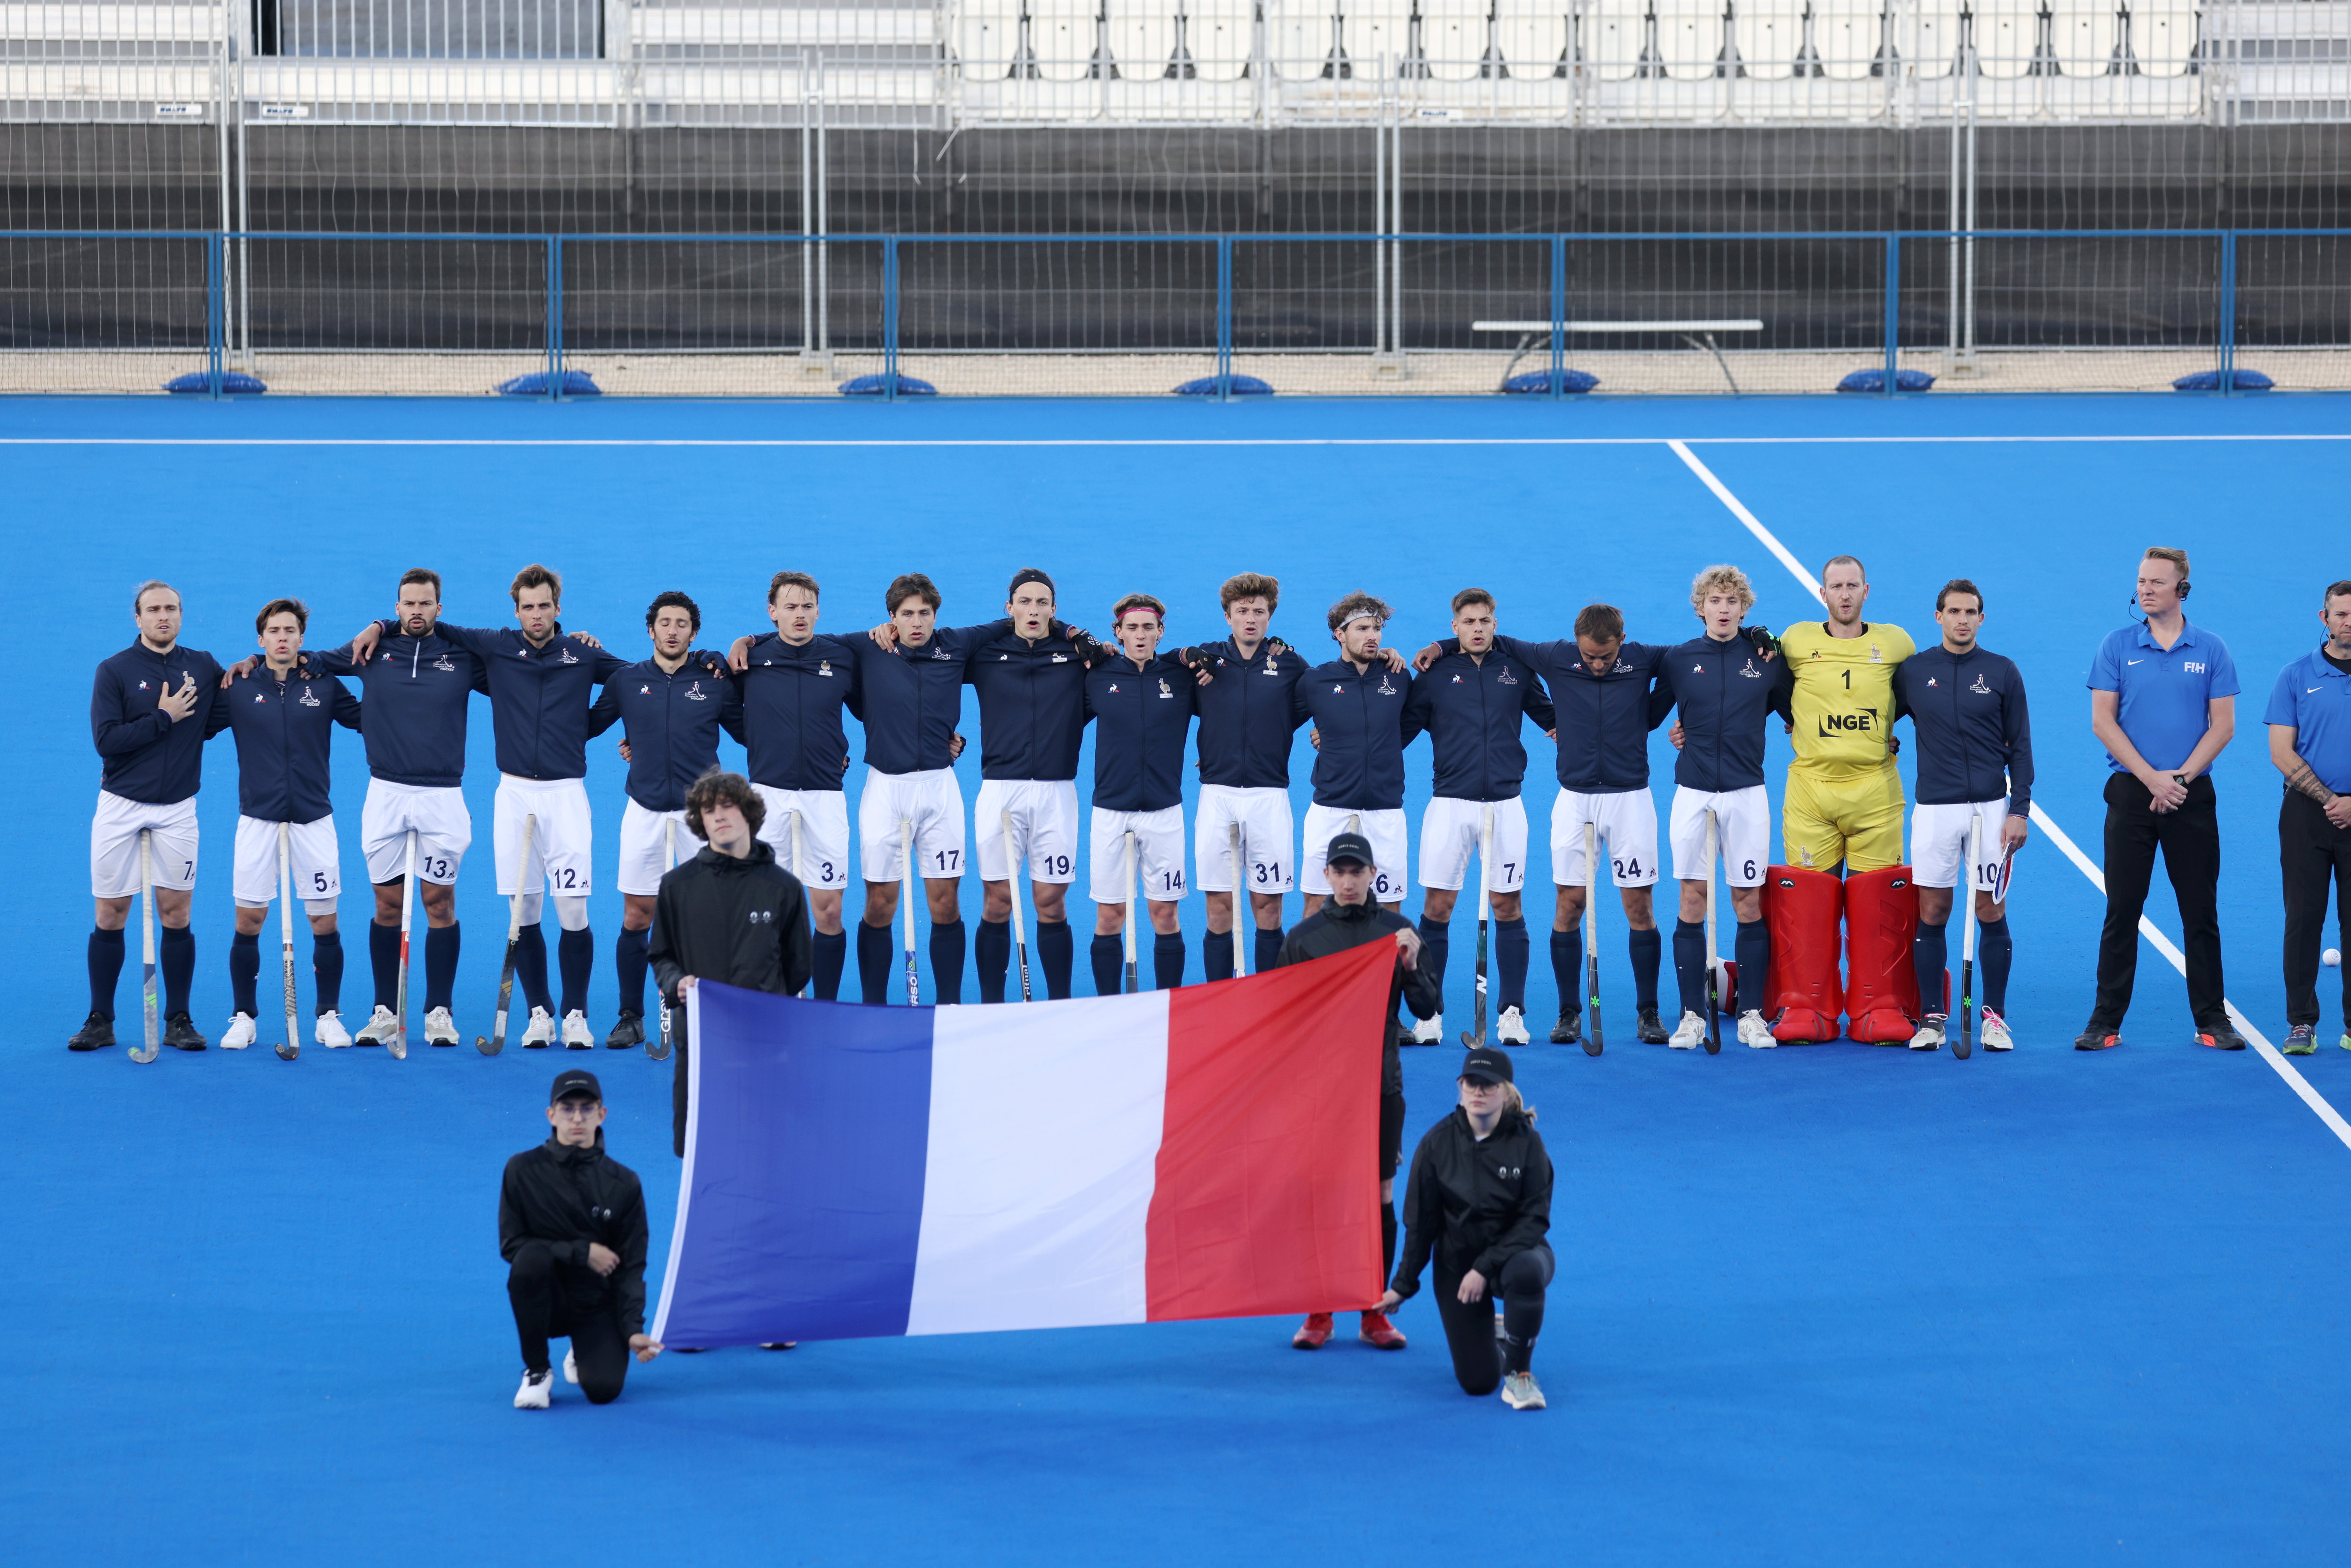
(1219, 315)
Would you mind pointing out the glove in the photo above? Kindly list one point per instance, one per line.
(1765, 644)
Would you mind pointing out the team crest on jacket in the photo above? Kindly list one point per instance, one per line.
(824, 668)
(1506, 679)
(1165, 690)
(1980, 689)
(305, 699)
(1272, 666)
(1061, 658)
(695, 694)
(443, 664)
(565, 657)
(1750, 672)
(1386, 690)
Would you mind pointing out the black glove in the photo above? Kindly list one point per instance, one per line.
(1765, 644)
(1276, 646)
(1193, 659)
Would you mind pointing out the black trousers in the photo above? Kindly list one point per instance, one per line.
(2311, 851)
(1478, 1358)
(2190, 839)
(536, 1287)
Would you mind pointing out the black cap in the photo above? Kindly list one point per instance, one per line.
(1030, 574)
(1349, 848)
(574, 1080)
(1486, 1064)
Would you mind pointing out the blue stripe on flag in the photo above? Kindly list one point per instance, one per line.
(811, 1132)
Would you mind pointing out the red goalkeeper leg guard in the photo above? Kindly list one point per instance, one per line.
(1801, 905)
(1881, 993)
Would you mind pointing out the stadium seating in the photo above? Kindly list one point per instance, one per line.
(1453, 38)
(1770, 34)
(1302, 36)
(2006, 34)
(1219, 35)
(1846, 37)
(2084, 34)
(1371, 31)
(1689, 38)
(1063, 38)
(2162, 35)
(1531, 36)
(1142, 35)
(1612, 32)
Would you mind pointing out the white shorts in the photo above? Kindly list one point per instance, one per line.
(1939, 841)
(443, 830)
(645, 842)
(823, 860)
(562, 836)
(311, 846)
(930, 800)
(1743, 838)
(1626, 822)
(1386, 831)
(1269, 838)
(114, 845)
(1044, 824)
(1158, 850)
(1451, 835)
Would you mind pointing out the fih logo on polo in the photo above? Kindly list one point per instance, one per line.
(2193, 667)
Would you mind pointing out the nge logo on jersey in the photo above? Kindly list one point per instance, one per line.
(1848, 723)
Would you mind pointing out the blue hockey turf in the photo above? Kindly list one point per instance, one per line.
(1836, 1304)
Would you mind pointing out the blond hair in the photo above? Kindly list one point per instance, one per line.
(1721, 579)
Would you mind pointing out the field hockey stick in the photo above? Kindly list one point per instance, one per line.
(800, 849)
(1475, 1036)
(1240, 899)
(152, 1019)
(1592, 937)
(660, 1051)
(1132, 983)
(1965, 1043)
(293, 1046)
(907, 893)
(1014, 864)
(497, 1039)
(1713, 968)
(399, 1042)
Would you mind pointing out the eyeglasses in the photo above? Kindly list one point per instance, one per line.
(577, 1110)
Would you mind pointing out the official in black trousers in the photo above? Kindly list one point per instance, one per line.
(2163, 703)
(2309, 718)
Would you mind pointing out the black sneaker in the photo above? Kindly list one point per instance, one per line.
(97, 1033)
(2097, 1036)
(627, 1033)
(1570, 1027)
(2220, 1037)
(1651, 1030)
(180, 1033)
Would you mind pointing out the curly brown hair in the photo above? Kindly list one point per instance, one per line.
(718, 786)
(1359, 603)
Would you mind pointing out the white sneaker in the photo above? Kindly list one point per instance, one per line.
(1429, 1031)
(1688, 1034)
(540, 1033)
(570, 1367)
(381, 1026)
(537, 1392)
(1754, 1033)
(1930, 1033)
(1510, 1029)
(241, 1032)
(440, 1029)
(577, 1035)
(1521, 1392)
(329, 1032)
(1994, 1031)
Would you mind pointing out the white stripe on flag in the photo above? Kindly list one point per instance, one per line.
(1044, 1146)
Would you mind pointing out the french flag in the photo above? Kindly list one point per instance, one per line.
(1202, 1153)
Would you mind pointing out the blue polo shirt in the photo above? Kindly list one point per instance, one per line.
(2315, 697)
(2163, 691)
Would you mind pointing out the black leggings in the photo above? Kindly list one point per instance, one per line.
(601, 1350)
(1479, 1359)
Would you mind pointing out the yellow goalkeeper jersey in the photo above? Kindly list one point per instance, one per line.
(1844, 701)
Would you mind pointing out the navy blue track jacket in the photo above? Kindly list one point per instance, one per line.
(913, 696)
(1472, 713)
(538, 695)
(1249, 715)
(148, 758)
(284, 735)
(1967, 712)
(792, 698)
(1141, 717)
(1032, 704)
(1360, 766)
(1725, 691)
(414, 715)
(1603, 716)
(673, 724)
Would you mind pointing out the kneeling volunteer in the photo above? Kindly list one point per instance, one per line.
(1479, 1199)
(572, 1221)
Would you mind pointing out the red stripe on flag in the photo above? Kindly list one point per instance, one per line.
(1268, 1197)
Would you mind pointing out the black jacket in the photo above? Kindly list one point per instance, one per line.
(1477, 1205)
(739, 922)
(570, 1197)
(1335, 929)
(1472, 709)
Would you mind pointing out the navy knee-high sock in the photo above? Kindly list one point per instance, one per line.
(244, 970)
(1108, 956)
(947, 960)
(629, 959)
(1994, 948)
(441, 945)
(991, 958)
(1930, 951)
(1435, 937)
(1216, 955)
(1648, 950)
(530, 968)
(327, 969)
(874, 961)
(383, 961)
(106, 949)
(1269, 951)
(1689, 964)
(1057, 954)
(1167, 961)
(831, 956)
(1753, 952)
(1567, 967)
(575, 960)
(176, 957)
(1511, 950)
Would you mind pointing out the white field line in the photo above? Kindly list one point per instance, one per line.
(1120, 441)
(2048, 825)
